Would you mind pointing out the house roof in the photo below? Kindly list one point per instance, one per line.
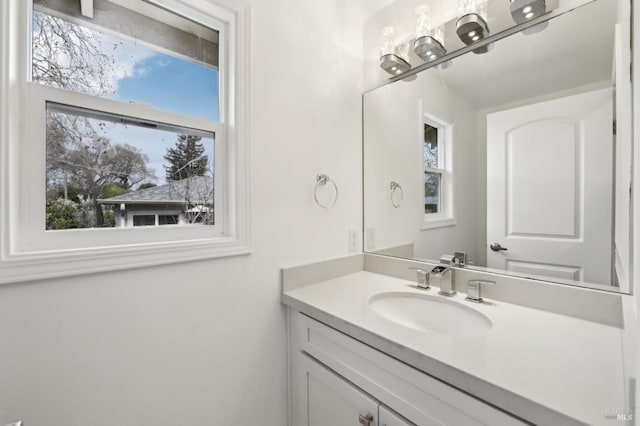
(193, 190)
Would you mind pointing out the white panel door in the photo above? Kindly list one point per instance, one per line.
(549, 187)
(390, 418)
(333, 401)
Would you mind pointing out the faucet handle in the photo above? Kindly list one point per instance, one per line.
(422, 277)
(459, 259)
(474, 288)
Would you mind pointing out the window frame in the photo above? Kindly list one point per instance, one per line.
(27, 250)
(446, 215)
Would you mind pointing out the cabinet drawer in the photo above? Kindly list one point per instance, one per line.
(418, 397)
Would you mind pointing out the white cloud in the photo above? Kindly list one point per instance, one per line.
(128, 60)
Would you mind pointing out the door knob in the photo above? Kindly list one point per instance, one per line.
(366, 419)
(497, 247)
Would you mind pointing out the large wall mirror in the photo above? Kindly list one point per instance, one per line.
(520, 157)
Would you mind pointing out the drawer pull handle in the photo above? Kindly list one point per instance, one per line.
(366, 419)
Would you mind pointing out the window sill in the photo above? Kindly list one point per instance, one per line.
(62, 263)
(441, 222)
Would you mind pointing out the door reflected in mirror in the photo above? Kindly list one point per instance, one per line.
(520, 157)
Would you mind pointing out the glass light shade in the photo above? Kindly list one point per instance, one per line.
(423, 23)
(481, 7)
(478, 7)
(403, 51)
(438, 34)
(388, 47)
(466, 6)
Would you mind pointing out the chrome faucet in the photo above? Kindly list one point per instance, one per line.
(458, 258)
(442, 276)
(422, 278)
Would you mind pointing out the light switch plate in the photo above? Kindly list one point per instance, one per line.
(354, 239)
(371, 238)
(18, 423)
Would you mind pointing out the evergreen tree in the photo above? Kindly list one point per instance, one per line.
(186, 159)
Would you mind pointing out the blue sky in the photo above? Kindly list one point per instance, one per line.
(172, 84)
(165, 83)
(169, 84)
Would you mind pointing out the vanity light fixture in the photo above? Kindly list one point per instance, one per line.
(472, 23)
(390, 61)
(525, 10)
(429, 43)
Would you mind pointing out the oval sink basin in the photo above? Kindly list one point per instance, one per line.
(429, 313)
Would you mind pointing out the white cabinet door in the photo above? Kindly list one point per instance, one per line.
(389, 418)
(333, 401)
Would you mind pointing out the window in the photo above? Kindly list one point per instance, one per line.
(120, 118)
(101, 164)
(154, 219)
(438, 176)
(167, 219)
(144, 220)
(433, 170)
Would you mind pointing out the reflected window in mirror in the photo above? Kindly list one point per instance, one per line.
(433, 171)
(437, 173)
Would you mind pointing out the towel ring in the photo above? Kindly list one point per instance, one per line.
(322, 180)
(395, 186)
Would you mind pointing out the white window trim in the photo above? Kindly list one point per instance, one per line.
(445, 137)
(23, 256)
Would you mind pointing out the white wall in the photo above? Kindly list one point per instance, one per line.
(394, 152)
(204, 343)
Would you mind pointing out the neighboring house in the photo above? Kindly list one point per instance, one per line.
(177, 202)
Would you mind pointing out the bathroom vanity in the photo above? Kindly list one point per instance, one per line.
(372, 349)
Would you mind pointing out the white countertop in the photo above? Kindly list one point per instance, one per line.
(543, 367)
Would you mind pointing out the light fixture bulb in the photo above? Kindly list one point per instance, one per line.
(431, 46)
(394, 64)
(524, 10)
(471, 25)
